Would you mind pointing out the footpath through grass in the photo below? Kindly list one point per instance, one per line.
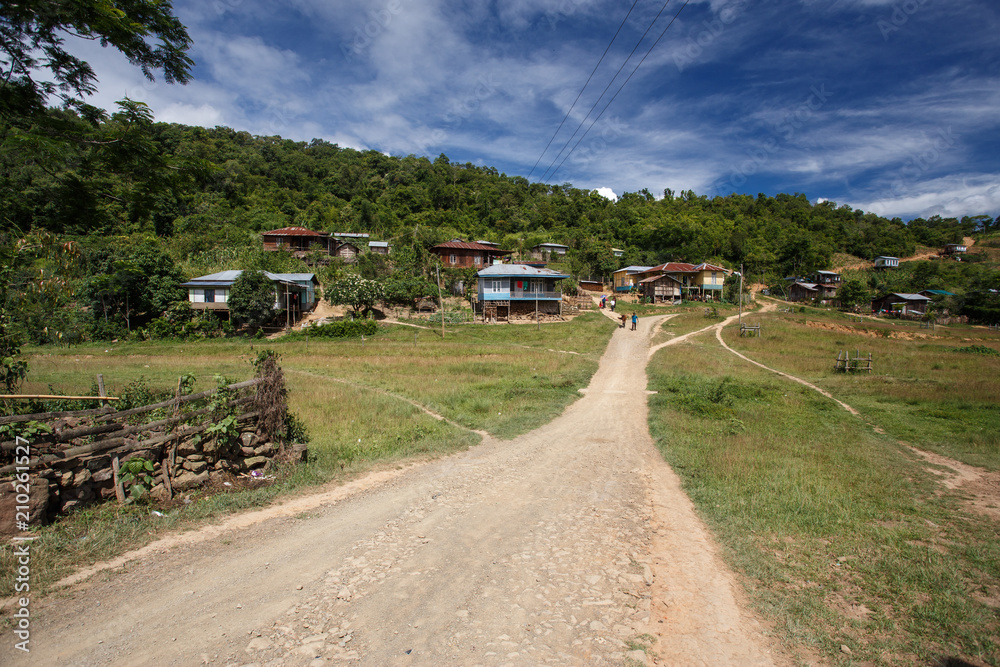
(924, 390)
(843, 536)
(505, 380)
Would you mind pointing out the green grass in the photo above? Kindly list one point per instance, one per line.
(843, 537)
(355, 397)
(924, 390)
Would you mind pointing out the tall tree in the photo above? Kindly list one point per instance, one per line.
(33, 37)
(251, 299)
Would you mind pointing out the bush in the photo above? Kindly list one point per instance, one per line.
(342, 329)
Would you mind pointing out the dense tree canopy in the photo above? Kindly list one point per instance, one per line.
(251, 299)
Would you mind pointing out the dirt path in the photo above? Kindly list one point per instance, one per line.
(557, 547)
(928, 254)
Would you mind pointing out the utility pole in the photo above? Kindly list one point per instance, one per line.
(741, 295)
(440, 301)
(538, 322)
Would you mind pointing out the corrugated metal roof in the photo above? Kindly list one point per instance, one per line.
(228, 277)
(378, 244)
(466, 245)
(295, 231)
(634, 269)
(662, 275)
(911, 297)
(710, 267)
(519, 271)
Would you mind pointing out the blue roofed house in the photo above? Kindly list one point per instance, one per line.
(518, 290)
(294, 293)
(625, 279)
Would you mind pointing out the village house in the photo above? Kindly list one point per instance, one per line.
(697, 281)
(826, 278)
(347, 251)
(662, 288)
(298, 241)
(821, 288)
(512, 290)
(623, 280)
(548, 250)
(591, 285)
(459, 254)
(294, 293)
(884, 262)
(617, 252)
(901, 304)
(379, 247)
(954, 249)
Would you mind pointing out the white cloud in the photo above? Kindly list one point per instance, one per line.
(949, 196)
(607, 193)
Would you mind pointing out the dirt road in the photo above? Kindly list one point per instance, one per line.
(558, 547)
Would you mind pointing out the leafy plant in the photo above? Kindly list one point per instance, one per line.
(28, 430)
(136, 476)
(224, 431)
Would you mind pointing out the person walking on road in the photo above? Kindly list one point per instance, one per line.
(635, 320)
(612, 304)
(623, 320)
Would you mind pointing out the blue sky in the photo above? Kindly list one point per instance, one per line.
(888, 106)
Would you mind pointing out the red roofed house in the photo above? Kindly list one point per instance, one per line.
(298, 240)
(702, 281)
(460, 254)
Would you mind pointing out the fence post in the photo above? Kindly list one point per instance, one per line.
(100, 389)
(119, 491)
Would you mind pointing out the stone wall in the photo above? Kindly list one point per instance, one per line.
(73, 483)
(74, 464)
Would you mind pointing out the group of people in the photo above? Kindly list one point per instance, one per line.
(635, 320)
(610, 303)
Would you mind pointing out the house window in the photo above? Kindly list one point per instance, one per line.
(453, 259)
(209, 296)
(477, 260)
(713, 277)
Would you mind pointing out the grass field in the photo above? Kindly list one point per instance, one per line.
(845, 537)
(358, 399)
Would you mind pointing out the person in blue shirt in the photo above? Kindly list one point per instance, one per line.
(635, 320)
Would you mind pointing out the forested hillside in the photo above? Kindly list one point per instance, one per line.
(116, 218)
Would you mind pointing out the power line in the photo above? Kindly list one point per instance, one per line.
(621, 87)
(625, 62)
(634, 3)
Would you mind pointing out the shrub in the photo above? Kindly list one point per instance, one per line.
(342, 329)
